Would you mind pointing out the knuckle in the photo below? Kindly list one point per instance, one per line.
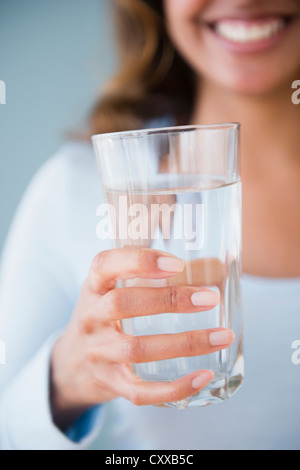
(91, 357)
(189, 343)
(141, 258)
(171, 298)
(135, 397)
(98, 381)
(113, 303)
(174, 393)
(131, 349)
(86, 325)
(101, 259)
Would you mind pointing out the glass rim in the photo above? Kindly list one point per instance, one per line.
(167, 130)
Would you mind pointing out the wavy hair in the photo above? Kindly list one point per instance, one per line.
(152, 80)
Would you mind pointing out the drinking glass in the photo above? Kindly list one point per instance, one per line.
(178, 190)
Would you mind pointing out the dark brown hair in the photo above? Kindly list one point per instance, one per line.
(152, 79)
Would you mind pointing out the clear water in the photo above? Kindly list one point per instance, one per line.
(204, 229)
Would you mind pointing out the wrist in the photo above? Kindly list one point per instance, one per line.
(65, 404)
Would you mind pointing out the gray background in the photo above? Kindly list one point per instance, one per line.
(55, 55)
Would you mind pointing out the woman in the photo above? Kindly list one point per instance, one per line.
(197, 61)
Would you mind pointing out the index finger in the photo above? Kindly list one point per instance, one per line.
(201, 272)
(131, 262)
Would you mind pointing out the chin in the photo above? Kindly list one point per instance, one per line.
(256, 86)
(261, 79)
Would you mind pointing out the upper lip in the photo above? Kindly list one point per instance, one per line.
(243, 15)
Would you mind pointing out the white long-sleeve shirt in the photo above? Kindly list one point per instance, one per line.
(47, 257)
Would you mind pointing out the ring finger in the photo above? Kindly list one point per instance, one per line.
(141, 349)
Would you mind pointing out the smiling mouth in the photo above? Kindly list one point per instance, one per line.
(250, 31)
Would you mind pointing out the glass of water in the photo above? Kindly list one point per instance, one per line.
(178, 190)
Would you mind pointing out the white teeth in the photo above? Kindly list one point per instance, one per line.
(240, 32)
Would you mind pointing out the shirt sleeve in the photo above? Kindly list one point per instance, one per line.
(26, 421)
(37, 298)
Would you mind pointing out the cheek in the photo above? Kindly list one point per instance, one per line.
(183, 27)
(184, 8)
(181, 18)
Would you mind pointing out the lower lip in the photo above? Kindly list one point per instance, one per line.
(251, 46)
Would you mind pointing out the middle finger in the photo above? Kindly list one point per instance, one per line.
(132, 302)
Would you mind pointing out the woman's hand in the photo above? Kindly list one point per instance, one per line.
(90, 363)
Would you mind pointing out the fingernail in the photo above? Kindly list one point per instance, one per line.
(170, 264)
(218, 338)
(205, 299)
(202, 380)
